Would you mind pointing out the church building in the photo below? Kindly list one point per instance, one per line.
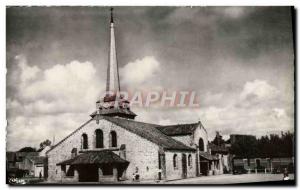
(112, 146)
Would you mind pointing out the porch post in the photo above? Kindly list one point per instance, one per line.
(62, 174)
(76, 174)
(115, 173)
(100, 174)
(199, 163)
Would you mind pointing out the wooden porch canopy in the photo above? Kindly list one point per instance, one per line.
(96, 157)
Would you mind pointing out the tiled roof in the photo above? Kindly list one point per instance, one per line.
(95, 157)
(149, 132)
(180, 129)
(145, 130)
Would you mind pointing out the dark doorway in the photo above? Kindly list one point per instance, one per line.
(258, 163)
(161, 165)
(184, 166)
(88, 173)
(204, 167)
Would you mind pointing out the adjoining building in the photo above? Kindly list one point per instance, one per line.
(112, 146)
(20, 164)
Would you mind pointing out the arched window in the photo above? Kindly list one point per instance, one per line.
(175, 161)
(84, 141)
(113, 139)
(190, 160)
(99, 138)
(201, 144)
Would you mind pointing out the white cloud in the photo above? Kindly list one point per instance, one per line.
(141, 74)
(62, 88)
(140, 70)
(22, 130)
(57, 99)
(279, 112)
(234, 12)
(259, 90)
(27, 72)
(233, 116)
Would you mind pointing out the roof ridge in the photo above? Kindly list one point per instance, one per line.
(180, 124)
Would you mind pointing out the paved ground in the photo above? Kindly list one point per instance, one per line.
(231, 179)
(209, 180)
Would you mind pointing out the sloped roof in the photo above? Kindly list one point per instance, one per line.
(180, 129)
(208, 156)
(149, 132)
(95, 157)
(145, 130)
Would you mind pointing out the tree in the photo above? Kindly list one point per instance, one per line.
(27, 149)
(218, 139)
(45, 143)
(245, 147)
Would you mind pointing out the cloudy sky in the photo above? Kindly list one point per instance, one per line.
(239, 60)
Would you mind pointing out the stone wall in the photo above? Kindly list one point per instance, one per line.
(200, 132)
(141, 153)
(176, 173)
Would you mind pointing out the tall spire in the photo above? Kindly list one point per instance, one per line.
(113, 83)
(113, 104)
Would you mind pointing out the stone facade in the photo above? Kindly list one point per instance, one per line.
(172, 172)
(142, 154)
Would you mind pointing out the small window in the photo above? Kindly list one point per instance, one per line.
(84, 141)
(74, 152)
(190, 161)
(201, 144)
(113, 139)
(175, 158)
(99, 138)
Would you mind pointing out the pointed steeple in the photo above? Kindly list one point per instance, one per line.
(112, 104)
(113, 83)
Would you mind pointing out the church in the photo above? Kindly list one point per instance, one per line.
(111, 146)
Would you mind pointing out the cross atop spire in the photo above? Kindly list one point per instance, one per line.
(113, 84)
(111, 15)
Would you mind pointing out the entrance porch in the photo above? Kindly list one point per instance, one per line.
(93, 166)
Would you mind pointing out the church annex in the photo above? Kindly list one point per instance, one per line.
(112, 146)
